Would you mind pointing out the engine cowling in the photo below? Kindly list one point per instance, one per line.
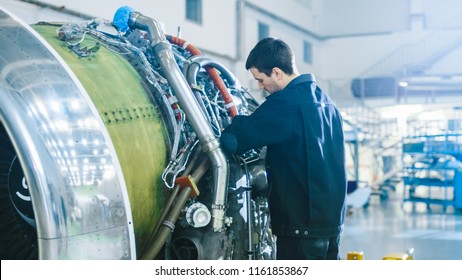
(104, 139)
(102, 135)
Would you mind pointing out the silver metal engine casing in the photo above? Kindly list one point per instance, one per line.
(74, 177)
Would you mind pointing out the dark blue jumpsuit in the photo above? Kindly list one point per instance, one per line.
(305, 163)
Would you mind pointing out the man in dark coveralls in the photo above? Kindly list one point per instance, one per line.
(305, 160)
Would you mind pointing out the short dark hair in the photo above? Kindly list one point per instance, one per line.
(269, 53)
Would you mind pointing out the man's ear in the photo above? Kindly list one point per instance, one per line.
(279, 74)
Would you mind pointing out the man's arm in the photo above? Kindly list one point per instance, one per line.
(264, 127)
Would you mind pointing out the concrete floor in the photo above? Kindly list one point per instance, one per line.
(388, 226)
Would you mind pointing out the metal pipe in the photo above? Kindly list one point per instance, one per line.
(168, 225)
(210, 145)
(213, 74)
(165, 227)
(248, 201)
(168, 206)
(200, 170)
(205, 61)
(195, 156)
(197, 62)
(190, 72)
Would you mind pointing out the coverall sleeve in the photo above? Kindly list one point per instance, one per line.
(266, 126)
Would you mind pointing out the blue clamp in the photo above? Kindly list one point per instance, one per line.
(121, 17)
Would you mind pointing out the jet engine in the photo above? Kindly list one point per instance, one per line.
(109, 146)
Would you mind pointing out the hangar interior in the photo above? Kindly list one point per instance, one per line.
(392, 67)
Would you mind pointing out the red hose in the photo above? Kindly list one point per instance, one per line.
(232, 111)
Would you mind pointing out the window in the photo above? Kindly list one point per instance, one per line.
(307, 52)
(263, 30)
(194, 10)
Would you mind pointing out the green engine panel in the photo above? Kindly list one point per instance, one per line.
(132, 119)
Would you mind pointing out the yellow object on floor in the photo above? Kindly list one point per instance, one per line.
(408, 255)
(355, 256)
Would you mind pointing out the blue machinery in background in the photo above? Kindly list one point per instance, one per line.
(432, 167)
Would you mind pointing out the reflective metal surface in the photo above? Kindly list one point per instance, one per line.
(75, 180)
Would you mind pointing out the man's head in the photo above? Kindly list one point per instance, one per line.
(271, 63)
